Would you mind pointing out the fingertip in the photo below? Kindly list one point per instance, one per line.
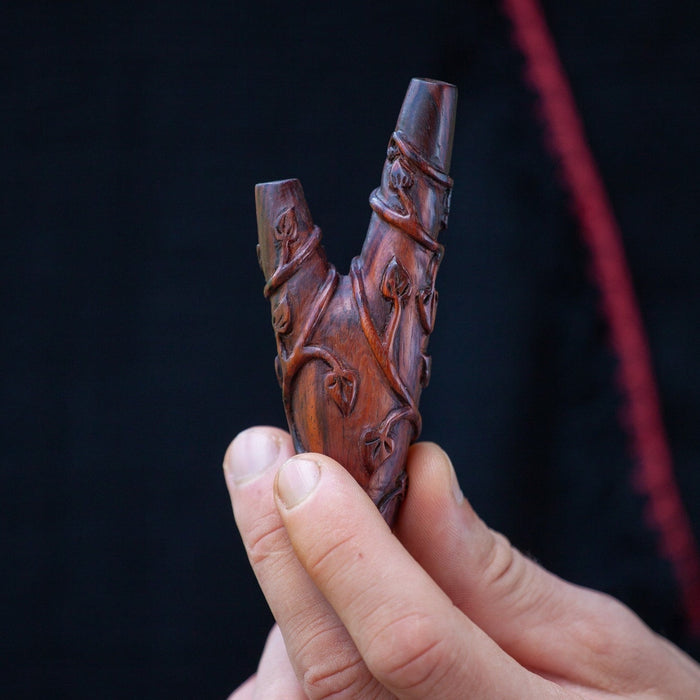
(296, 480)
(300, 476)
(435, 516)
(432, 478)
(252, 451)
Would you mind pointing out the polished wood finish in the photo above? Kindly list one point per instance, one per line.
(352, 349)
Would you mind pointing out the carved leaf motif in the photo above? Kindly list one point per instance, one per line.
(378, 446)
(286, 228)
(400, 176)
(282, 316)
(427, 305)
(392, 151)
(342, 388)
(396, 284)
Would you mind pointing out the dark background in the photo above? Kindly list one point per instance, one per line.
(136, 341)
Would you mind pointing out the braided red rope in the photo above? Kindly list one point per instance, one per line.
(600, 231)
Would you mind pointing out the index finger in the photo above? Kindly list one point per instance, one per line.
(320, 649)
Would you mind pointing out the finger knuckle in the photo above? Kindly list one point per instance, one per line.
(329, 558)
(266, 539)
(504, 566)
(335, 678)
(610, 633)
(411, 654)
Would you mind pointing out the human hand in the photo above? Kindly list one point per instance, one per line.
(441, 608)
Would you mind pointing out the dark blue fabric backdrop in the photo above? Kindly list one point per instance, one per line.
(136, 341)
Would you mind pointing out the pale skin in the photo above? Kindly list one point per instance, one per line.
(443, 607)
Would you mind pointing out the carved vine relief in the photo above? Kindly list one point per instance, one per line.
(352, 350)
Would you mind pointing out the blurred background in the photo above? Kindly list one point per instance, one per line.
(136, 341)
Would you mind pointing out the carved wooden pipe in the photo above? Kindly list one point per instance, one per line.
(352, 348)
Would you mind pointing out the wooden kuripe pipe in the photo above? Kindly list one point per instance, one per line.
(352, 349)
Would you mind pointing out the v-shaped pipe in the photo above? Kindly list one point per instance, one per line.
(352, 349)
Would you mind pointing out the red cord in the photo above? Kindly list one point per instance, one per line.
(601, 233)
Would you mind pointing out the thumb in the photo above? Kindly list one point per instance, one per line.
(536, 617)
